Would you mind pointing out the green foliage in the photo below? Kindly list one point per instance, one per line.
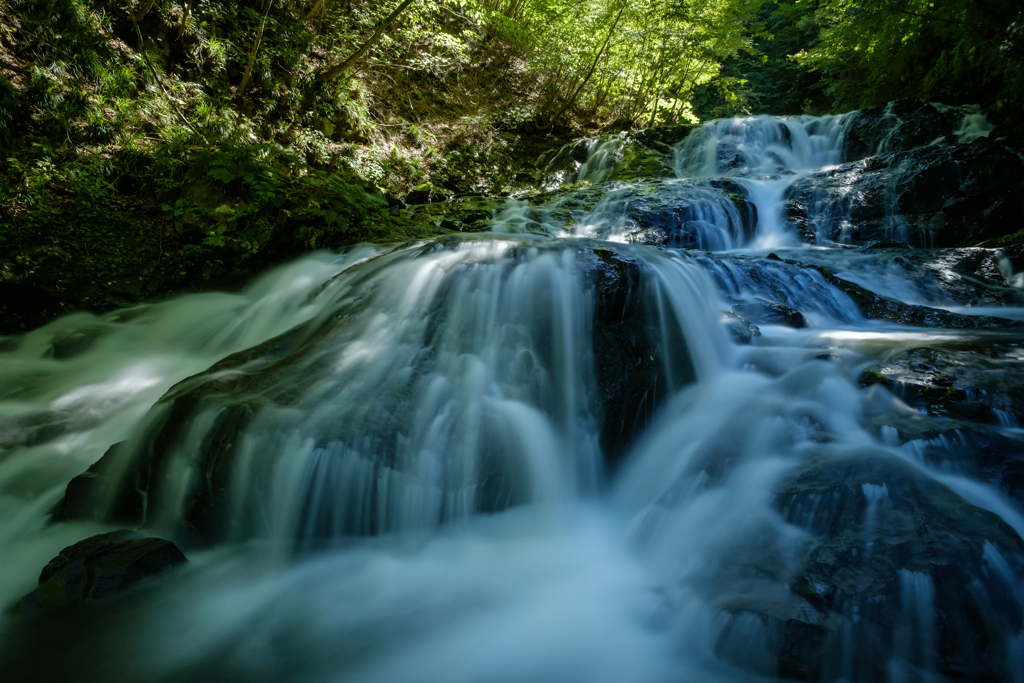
(656, 53)
(9, 106)
(767, 79)
(336, 209)
(956, 51)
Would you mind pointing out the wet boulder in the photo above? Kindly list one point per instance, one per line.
(898, 126)
(629, 340)
(421, 194)
(979, 384)
(610, 157)
(660, 137)
(966, 276)
(687, 214)
(978, 451)
(945, 195)
(640, 162)
(98, 567)
(876, 307)
(179, 471)
(894, 553)
(694, 214)
(133, 481)
(741, 330)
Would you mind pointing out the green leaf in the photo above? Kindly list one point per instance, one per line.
(222, 174)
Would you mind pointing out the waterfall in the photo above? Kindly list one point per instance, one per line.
(625, 435)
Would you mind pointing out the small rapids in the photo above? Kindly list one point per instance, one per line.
(639, 431)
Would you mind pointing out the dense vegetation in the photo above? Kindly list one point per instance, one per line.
(168, 143)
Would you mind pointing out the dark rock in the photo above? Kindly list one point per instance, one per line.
(740, 329)
(873, 306)
(99, 567)
(99, 492)
(632, 377)
(886, 535)
(936, 196)
(420, 194)
(770, 313)
(199, 424)
(976, 385)
(897, 126)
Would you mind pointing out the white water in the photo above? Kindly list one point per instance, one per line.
(422, 495)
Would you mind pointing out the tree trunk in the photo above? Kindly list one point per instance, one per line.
(318, 7)
(335, 71)
(184, 18)
(590, 72)
(255, 47)
(145, 10)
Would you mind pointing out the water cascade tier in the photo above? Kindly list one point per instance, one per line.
(736, 402)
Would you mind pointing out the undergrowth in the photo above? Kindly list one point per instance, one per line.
(129, 168)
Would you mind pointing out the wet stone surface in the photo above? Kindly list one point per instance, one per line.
(980, 384)
(898, 126)
(134, 480)
(944, 195)
(99, 567)
(889, 541)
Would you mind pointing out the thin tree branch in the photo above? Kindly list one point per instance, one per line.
(255, 47)
(335, 71)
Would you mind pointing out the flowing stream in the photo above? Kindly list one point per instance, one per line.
(422, 480)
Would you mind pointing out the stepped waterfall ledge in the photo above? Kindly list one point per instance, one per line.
(741, 401)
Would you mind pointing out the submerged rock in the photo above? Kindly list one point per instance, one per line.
(740, 329)
(936, 196)
(98, 567)
(895, 551)
(770, 313)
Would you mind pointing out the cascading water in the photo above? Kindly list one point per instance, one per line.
(522, 457)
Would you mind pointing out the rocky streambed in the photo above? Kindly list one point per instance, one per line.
(732, 402)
